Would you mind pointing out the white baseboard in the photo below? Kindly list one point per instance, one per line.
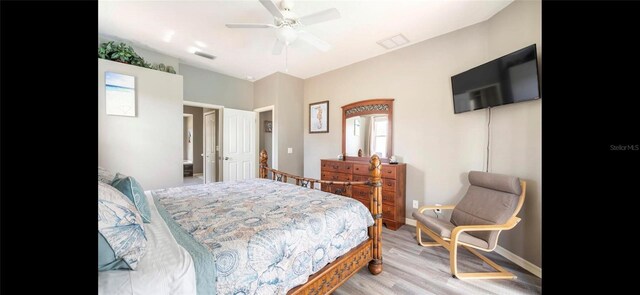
(410, 221)
(532, 268)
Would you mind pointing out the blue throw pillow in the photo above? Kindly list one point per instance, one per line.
(121, 238)
(132, 189)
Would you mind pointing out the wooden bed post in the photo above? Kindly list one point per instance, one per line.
(263, 163)
(375, 231)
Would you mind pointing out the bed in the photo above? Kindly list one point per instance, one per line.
(258, 236)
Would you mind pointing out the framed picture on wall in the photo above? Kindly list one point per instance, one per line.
(120, 94)
(267, 126)
(319, 117)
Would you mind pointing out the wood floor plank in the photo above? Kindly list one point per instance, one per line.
(412, 269)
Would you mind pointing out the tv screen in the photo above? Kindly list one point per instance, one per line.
(508, 79)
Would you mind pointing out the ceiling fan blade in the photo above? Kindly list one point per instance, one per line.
(321, 16)
(249, 26)
(277, 47)
(314, 41)
(269, 5)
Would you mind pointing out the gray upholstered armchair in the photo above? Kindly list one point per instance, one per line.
(489, 207)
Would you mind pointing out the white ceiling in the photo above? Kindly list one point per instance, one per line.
(247, 52)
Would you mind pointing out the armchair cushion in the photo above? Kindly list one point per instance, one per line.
(498, 182)
(444, 228)
(491, 199)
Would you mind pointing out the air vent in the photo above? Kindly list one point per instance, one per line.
(393, 42)
(205, 55)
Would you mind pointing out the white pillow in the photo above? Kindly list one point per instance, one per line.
(105, 176)
(120, 224)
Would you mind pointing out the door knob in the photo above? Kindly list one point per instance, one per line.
(226, 158)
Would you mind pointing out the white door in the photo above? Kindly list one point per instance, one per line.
(209, 147)
(239, 145)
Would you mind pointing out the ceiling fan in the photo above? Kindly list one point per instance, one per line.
(288, 24)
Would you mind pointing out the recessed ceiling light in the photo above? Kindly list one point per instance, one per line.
(194, 49)
(200, 44)
(168, 36)
(250, 78)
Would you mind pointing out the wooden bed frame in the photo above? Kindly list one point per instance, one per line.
(334, 274)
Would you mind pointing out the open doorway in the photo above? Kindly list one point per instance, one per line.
(192, 146)
(268, 134)
(206, 143)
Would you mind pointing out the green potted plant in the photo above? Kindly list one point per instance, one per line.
(121, 52)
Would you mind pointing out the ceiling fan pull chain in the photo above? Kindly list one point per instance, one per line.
(286, 58)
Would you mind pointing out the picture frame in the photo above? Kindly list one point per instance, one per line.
(120, 94)
(268, 126)
(319, 117)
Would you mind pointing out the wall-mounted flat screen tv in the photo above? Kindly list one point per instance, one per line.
(508, 79)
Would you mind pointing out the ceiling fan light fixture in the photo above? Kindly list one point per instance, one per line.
(287, 35)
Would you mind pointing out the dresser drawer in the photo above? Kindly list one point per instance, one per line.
(336, 189)
(388, 185)
(361, 192)
(359, 178)
(389, 171)
(336, 166)
(335, 176)
(361, 169)
(388, 197)
(388, 211)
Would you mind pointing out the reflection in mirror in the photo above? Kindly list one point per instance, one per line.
(367, 135)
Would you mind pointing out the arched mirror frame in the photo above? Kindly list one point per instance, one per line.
(367, 107)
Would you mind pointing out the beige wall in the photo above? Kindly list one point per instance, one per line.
(285, 92)
(438, 146)
(516, 132)
(148, 146)
(205, 86)
(197, 136)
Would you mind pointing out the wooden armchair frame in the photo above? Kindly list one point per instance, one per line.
(452, 243)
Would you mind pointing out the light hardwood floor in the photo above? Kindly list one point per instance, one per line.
(412, 269)
(191, 180)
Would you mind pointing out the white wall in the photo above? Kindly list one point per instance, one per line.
(148, 146)
(440, 148)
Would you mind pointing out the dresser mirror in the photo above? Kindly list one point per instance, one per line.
(367, 127)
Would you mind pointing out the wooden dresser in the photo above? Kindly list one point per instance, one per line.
(393, 186)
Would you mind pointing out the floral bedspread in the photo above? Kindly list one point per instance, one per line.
(267, 236)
